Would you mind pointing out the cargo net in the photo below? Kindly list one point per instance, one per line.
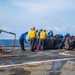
(6, 43)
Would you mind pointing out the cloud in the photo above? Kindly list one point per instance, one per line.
(53, 15)
(5, 35)
(30, 7)
(49, 5)
(5, 28)
(62, 29)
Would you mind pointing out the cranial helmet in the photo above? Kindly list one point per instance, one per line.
(33, 28)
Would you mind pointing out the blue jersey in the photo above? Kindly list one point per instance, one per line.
(60, 35)
(50, 34)
(23, 36)
(39, 33)
(64, 37)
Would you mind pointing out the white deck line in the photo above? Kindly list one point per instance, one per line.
(34, 62)
(66, 54)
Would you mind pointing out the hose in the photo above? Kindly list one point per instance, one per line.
(12, 46)
(13, 42)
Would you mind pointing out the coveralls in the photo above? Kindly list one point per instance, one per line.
(32, 36)
(43, 37)
(22, 39)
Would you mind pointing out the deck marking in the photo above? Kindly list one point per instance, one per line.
(36, 62)
(66, 54)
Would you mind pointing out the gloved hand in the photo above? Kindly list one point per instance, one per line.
(28, 39)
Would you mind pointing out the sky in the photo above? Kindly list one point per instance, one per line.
(19, 16)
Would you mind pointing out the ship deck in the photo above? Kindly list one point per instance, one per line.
(40, 62)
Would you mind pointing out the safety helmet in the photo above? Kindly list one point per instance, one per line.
(67, 34)
(33, 28)
(26, 32)
(43, 30)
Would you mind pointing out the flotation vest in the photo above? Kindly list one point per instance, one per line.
(43, 35)
(32, 34)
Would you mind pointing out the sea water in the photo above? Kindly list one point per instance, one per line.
(10, 42)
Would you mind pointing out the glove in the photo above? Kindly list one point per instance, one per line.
(28, 39)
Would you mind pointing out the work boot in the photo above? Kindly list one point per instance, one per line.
(32, 50)
(23, 49)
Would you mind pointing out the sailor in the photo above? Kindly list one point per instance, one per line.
(43, 37)
(59, 38)
(63, 40)
(22, 39)
(39, 32)
(50, 34)
(32, 36)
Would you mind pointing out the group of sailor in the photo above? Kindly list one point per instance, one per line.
(44, 40)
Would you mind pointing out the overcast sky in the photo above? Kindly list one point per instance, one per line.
(19, 16)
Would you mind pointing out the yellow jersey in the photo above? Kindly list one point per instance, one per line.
(43, 35)
(32, 34)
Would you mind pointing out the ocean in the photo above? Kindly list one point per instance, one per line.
(9, 42)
